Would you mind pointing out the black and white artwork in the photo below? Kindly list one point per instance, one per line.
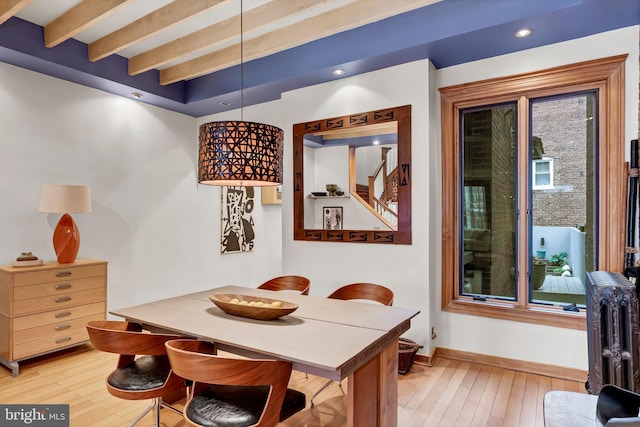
(237, 234)
(332, 218)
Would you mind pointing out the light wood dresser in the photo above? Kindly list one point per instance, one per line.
(45, 308)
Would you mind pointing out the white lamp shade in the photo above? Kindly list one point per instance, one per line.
(65, 199)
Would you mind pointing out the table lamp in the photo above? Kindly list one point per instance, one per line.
(65, 199)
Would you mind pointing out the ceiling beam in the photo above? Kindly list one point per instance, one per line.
(8, 8)
(149, 25)
(78, 18)
(351, 16)
(218, 33)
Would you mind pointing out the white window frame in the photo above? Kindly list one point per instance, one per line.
(534, 170)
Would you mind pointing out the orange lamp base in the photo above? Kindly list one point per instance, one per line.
(66, 240)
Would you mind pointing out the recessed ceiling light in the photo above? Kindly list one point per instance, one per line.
(225, 103)
(136, 95)
(524, 32)
(338, 72)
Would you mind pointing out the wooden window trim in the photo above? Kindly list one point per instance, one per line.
(604, 75)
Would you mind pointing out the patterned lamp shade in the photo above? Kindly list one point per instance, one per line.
(239, 153)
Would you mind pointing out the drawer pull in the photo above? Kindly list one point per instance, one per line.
(63, 314)
(63, 299)
(63, 274)
(63, 286)
(63, 339)
(63, 327)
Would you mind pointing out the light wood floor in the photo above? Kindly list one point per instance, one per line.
(450, 393)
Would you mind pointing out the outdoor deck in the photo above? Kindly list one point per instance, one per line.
(561, 289)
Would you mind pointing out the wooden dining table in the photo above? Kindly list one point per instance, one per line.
(335, 339)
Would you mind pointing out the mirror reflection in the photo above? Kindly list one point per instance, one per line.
(356, 170)
(352, 180)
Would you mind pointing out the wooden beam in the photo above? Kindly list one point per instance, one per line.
(354, 15)
(79, 18)
(218, 33)
(8, 8)
(149, 25)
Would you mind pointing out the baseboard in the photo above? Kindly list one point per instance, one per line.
(561, 372)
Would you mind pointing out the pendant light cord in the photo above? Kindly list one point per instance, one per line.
(241, 64)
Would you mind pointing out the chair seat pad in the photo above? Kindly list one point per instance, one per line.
(144, 373)
(237, 406)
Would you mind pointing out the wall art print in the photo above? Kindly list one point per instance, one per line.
(332, 217)
(237, 226)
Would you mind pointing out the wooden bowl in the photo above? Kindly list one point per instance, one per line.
(266, 311)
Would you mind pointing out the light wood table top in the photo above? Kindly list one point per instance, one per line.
(364, 314)
(325, 337)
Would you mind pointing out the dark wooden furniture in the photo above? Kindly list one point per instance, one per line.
(137, 378)
(290, 282)
(232, 391)
(401, 115)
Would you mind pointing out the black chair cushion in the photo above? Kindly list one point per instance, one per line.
(236, 406)
(144, 373)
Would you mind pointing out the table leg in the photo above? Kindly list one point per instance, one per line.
(373, 391)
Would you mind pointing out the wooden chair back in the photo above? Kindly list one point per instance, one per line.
(291, 282)
(194, 360)
(128, 340)
(368, 291)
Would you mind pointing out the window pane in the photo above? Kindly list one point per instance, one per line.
(542, 167)
(543, 179)
(488, 202)
(562, 241)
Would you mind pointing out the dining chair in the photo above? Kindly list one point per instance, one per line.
(291, 282)
(359, 291)
(233, 392)
(143, 370)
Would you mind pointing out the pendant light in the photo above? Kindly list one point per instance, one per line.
(237, 152)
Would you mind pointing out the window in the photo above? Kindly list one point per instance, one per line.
(542, 174)
(559, 130)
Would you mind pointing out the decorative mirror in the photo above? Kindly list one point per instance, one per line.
(352, 178)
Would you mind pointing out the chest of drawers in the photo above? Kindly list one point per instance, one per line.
(45, 308)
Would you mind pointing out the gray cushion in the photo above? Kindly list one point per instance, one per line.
(569, 409)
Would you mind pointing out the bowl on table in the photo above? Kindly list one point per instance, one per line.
(253, 307)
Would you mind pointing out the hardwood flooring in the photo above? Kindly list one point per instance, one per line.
(450, 393)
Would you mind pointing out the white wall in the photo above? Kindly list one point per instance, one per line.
(156, 227)
(556, 346)
(403, 268)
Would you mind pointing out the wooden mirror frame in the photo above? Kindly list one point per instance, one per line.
(400, 236)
